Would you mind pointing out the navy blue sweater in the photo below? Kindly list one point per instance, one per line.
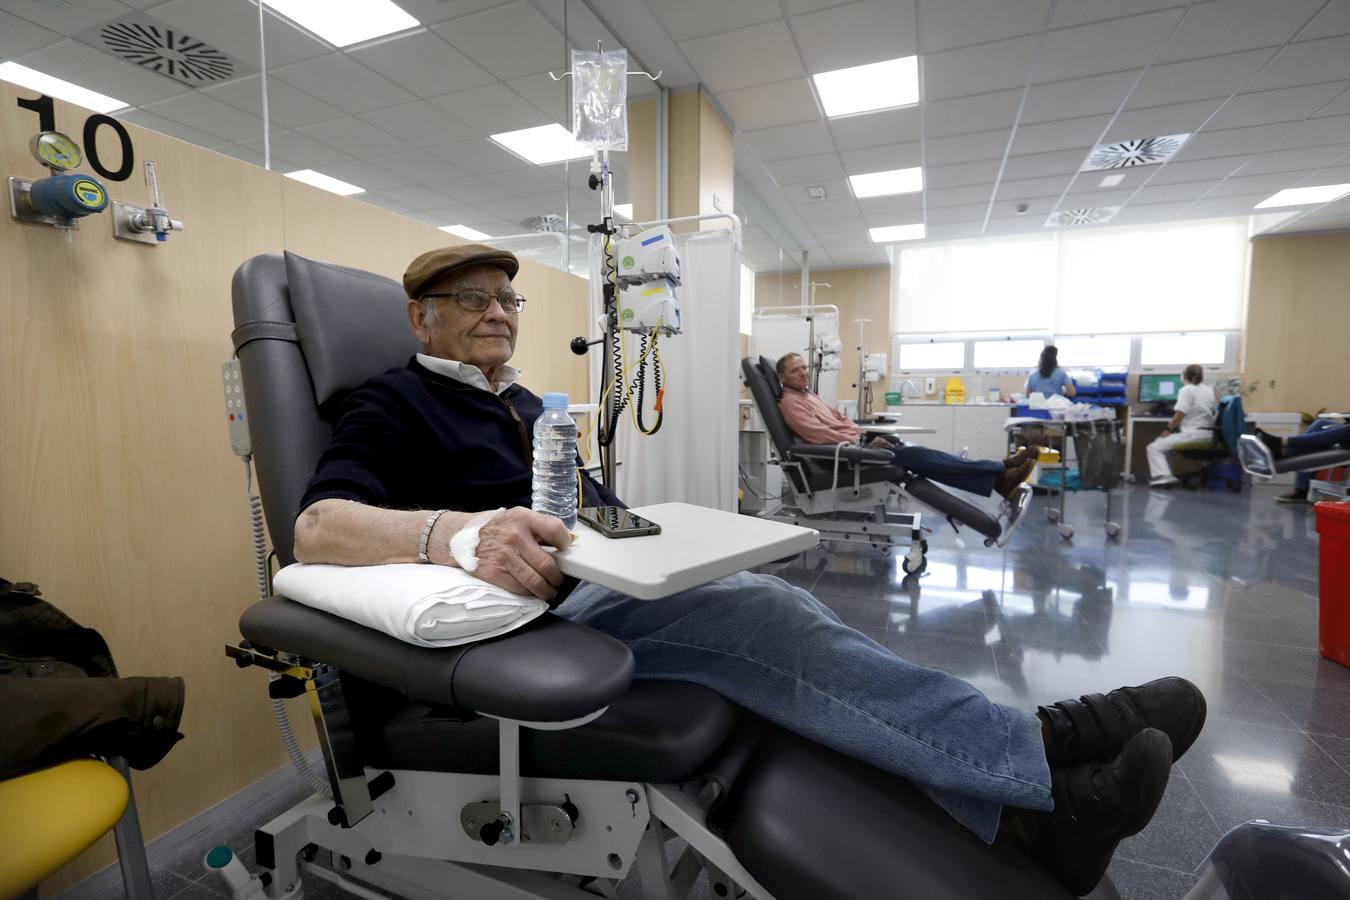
(414, 439)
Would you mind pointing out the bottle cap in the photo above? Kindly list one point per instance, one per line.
(555, 401)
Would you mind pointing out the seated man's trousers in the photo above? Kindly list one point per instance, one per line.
(977, 476)
(781, 653)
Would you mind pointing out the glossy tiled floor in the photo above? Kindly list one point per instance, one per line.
(1219, 588)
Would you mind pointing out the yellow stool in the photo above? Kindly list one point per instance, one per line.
(52, 816)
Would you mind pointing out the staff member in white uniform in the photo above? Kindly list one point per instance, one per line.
(1191, 419)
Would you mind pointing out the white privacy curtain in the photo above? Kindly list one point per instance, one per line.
(693, 457)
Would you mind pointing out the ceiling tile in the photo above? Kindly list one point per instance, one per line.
(892, 126)
(20, 36)
(1333, 20)
(1142, 213)
(759, 54)
(1127, 43)
(418, 165)
(420, 124)
(974, 70)
(454, 214)
(1208, 170)
(853, 35)
(1080, 12)
(209, 115)
(883, 158)
(952, 231)
(472, 189)
(973, 212)
(1225, 206)
(1093, 196)
(1316, 132)
(255, 157)
(509, 41)
(978, 112)
(1283, 105)
(1198, 79)
(1025, 188)
(382, 202)
(147, 119)
(1339, 106)
(1232, 142)
(956, 23)
(1037, 165)
(957, 196)
(1307, 62)
(66, 18)
(822, 210)
(417, 196)
(87, 67)
(306, 151)
(1301, 159)
(531, 180)
(477, 156)
(982, 172)
(1177, 118)
(966, 147)
(770, 105)
(287, 107)
(344, 82)
(1067, 134)
(233, 29)
(791, 140)
(887, 210)
(545, 94)
(834, 187)
(806, 169)
(839, 230)
(1228, 25)
(366, 175)
(429, 12)
(1093, 95)
(491, 109)
(695, 18)
(1258, 184)
(357, 137)
(424, 64)
(1184, 192)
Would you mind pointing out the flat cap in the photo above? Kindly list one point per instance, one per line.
(435, 263)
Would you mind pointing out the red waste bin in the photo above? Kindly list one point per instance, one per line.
(1333, 633)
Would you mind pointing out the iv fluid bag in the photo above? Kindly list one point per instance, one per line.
(600, 99)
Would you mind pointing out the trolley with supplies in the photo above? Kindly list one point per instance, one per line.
(1097, 450)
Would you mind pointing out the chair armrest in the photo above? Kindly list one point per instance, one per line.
(550, 670)
(849, 454)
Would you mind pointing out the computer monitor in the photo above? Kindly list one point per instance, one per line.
(1159, 388)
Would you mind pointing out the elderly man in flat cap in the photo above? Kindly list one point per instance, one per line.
(418, 455)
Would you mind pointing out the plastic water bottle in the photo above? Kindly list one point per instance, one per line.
(554, 491)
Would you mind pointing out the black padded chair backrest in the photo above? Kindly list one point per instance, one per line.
(307, 333)
(765, 388)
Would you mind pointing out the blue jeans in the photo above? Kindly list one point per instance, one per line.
(974, 475)
(1322, 434)
(781, 653)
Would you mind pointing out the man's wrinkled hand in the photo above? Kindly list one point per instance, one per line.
(511, 552)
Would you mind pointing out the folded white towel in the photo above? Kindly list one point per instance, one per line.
(427, 605)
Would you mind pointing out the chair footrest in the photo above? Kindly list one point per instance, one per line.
(947, 503)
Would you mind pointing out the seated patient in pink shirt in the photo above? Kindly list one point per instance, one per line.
(814, 421)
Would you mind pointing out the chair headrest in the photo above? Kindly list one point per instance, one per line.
(352, 324)
(771, 376)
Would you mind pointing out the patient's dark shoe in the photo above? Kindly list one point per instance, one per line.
(1095, 727)
(1011, 478)
(1097, 805)
(1273, 442)
(1031, 452)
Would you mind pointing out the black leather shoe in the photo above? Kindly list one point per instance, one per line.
(1097, 805)
(1096, 727)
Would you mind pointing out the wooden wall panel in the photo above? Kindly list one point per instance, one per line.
(119, 493)
(1298, 317)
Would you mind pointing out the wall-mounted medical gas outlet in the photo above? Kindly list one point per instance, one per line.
(149, 224)
(236, 417)
(930, 386)
(62, 197)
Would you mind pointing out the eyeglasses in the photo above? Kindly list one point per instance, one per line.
(478, 299)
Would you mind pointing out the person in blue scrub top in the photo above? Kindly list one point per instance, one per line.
(1049, 379)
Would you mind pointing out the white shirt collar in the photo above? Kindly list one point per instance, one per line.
(470, 375)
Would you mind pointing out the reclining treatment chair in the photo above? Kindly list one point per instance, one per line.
(1257, 460)
(843, 492)
(534, 764)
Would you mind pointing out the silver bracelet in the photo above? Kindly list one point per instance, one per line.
(426, 533)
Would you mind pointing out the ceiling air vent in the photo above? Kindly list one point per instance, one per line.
(1134, 152)
(816, 191)
(549, 222)
(152, 45)
(1073, 218)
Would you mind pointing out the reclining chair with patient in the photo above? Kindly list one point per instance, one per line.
(795, 757)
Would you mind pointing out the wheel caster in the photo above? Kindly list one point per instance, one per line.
(1112, 529)
(912, 564)
(1066, 532)
(1052, 514)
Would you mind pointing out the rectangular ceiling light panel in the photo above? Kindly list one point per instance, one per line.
(882, 184)
(464, 231)
(1134, 152)
(58, 88)
(1304, 196)
(345, 22)
(892, 233)
(543, 144)
(864, 89)
(326, 182)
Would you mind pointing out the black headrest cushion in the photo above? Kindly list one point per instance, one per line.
(352, 324)
(771, 375)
